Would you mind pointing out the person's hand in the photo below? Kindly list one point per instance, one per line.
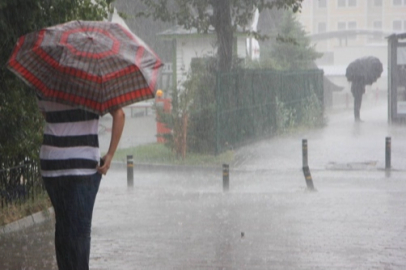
(117, 129)
(106, 166)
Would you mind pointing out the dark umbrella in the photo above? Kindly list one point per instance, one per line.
(94, 65)
(366, 69)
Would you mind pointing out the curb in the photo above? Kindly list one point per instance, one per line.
(28, 221)
(165, 167)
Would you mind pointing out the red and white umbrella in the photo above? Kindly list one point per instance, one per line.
(98, 66)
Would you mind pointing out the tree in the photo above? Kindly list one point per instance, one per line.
(291, 48)
(223, 16)
(20, 122)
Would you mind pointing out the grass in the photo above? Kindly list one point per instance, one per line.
(157, 153)
(14, 212)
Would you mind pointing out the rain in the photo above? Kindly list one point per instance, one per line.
(253, 152)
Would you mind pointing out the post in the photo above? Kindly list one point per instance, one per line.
(304, 153)
(308, 178)
(306, 169)
(130, 171)
(226, 177)
(388, 153)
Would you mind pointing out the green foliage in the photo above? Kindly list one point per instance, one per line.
(20, 121)
(201, 14)
(157, 153)
(225, 17)
(285, 117)
(202, 120)
(177, 119)
(16, 211)
(292, 48)
(149, 153)
(313, 115)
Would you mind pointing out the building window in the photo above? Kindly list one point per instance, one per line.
(378, 3)
(341, 26)
(321, 27)
(344, 3)
(322, 3)
(397, 25)
(399, 2)
(352, 25)
(376, 37)
(377, 25)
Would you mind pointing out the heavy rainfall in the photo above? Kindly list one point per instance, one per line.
(271, 137)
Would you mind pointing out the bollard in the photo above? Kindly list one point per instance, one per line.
(226, 177)
(306, 169)
(304, 153)
(130, 171)
(388, 153)
(308, 178)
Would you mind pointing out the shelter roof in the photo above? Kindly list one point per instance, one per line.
(397, 36)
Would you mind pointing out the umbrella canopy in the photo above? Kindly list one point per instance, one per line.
(366, 69)
(98, 66)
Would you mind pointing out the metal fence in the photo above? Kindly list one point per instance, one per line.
(20, 183)
(248, 100)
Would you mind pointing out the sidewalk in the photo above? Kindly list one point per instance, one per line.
(268, 220)
(337, 146)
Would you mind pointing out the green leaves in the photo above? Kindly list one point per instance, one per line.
(292, 48)
(20, 122)
(225, 17)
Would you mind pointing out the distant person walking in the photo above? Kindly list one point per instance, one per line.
(71, 173)
(357, 89)
(361, 72)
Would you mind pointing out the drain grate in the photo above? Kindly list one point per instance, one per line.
(367, 165)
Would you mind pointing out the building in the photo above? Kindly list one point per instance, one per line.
(344, 30)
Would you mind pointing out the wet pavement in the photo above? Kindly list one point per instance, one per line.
(268, 220)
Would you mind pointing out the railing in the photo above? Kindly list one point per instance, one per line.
(247, 102)
(20, 183)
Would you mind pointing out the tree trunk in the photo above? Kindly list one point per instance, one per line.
(224, 31)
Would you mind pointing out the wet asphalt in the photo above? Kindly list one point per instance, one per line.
(182, 219)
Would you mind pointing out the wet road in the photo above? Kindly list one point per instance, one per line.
(268, 220)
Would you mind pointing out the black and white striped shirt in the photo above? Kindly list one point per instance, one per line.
(71, 146)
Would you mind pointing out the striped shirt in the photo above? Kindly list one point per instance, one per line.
(70, 146)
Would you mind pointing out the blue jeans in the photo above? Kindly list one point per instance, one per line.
(73, 201)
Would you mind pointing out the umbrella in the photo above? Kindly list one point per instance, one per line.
(94, 65)
(367, 69)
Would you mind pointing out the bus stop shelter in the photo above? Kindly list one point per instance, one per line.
(397, 78)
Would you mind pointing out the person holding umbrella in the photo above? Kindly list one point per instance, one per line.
(81, 70)
(357, 90)
(361, 72)
(72, 174)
